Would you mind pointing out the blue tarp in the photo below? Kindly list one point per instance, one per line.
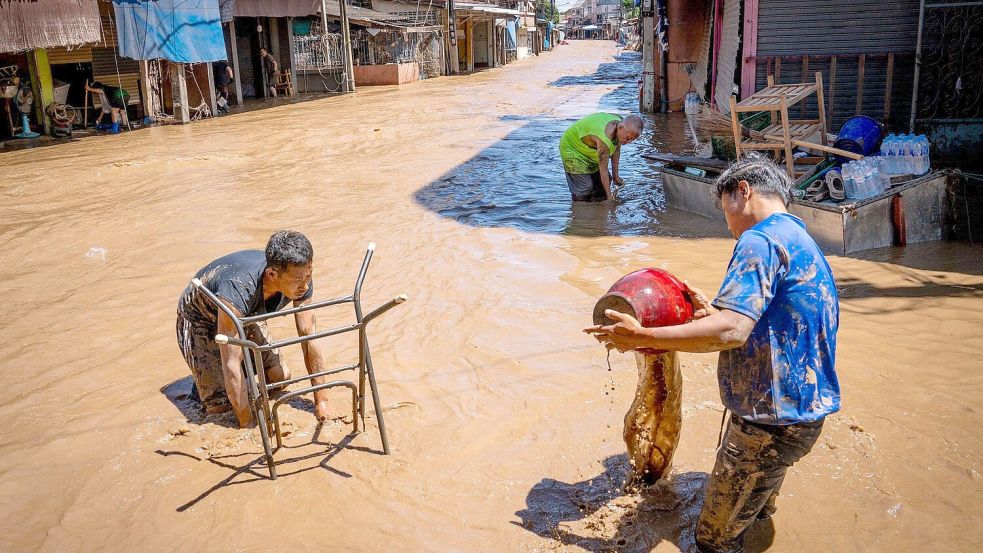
(547, 35)
(184, 31)
(510, 34)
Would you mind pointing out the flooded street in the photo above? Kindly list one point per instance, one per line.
(504, 422)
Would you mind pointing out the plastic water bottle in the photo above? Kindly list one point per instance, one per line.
(923, 147)
(877, 179)
(870, 181)
(926, 152)
(886, 146)
(900, 161)
(849, 185)
(691, 103)
(902, 155)
(916, 155)
(911, 147)
(859, 180)
(885, 175)
(892, 154)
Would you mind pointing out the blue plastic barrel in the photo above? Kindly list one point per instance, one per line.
(860, 135)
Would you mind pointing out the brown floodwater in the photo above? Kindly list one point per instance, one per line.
(504, 421)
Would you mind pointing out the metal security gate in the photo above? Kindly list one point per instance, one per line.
(947, 97)
(378, 47)
(949, 71)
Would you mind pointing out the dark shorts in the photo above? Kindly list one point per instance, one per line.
(197, 343)
(117, 101)
(747, 476)
(586, 188)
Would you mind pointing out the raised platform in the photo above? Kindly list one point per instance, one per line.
(387, 74)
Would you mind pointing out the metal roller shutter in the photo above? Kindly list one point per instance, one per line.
(845, 28)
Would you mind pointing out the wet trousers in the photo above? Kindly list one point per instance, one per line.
(197, 343)
(747, 475)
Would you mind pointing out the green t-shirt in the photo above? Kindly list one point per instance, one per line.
(579, 158)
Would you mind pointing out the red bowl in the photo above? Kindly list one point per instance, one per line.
(652, 296)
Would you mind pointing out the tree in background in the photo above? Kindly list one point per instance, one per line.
(546, 9)
(629, 9)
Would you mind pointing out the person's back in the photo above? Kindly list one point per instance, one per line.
(221, 72)
(237, 278)
(578, 157)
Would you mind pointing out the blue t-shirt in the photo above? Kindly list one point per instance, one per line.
(784, 373)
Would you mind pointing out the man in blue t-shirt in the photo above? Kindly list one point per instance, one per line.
(774, 322)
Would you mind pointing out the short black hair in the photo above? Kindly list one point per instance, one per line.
(286, 248)
(763, 174)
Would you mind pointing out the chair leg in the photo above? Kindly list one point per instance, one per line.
(789, 160)
(376, 402)
(354, 411)
(276, 430)
(270, 463)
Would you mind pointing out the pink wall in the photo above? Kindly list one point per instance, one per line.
(388, 74)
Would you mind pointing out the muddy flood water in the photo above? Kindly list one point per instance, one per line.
(504, 421)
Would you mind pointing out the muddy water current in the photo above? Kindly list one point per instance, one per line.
(504, 421)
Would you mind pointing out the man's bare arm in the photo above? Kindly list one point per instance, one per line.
(603, 158)
(718, 331)
(235, 384)
(306, 322)
(615, 160)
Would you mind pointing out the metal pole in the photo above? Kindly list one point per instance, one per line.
(664, 77)
(918, 67)
(324, 17)
(648, 56)
(235, 62)
(346, 36)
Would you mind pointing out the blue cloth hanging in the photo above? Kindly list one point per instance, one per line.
(183, 31)
(510, 40)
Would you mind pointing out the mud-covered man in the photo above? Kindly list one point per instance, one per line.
(587, 147)
(250, 282)
(774, 322)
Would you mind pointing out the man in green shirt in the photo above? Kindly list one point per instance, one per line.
(586, 148)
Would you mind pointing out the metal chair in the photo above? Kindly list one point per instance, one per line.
(258, 389)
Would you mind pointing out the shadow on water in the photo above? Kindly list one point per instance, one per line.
(595, 514)
(518, 182)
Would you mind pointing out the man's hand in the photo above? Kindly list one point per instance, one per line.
(618, 180)
(626, 334)
(701, 303)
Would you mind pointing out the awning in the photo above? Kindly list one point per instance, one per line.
(278, 8)
(304, 8)
(372, 18)
(589, 27)
(183, 31)
(48, 24)
(483, 8)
